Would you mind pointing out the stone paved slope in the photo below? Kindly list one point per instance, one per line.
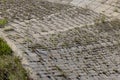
(62, 42)
(107, 7)
(86, 53)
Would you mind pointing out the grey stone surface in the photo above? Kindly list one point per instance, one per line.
(65, 39)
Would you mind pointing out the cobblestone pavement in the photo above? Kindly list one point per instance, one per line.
(64, 40)
(107, 7)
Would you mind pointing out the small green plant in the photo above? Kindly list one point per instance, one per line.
(96, 21)
(3, 22)
(4, 48)
(103, 18)
(115, 10)
(65, 44)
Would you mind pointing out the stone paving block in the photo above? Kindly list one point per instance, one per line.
(109, 1)
(76, 2)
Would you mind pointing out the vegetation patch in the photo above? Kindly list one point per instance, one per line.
(4, 48)
(3, 22)
(10, 66)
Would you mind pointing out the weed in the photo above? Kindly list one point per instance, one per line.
(3, 22)
(4, 48)
(103, 18)
(115, 10)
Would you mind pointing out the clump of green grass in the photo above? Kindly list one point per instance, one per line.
(3, 22)
(11, 69)
(4, 48)
(10, 66)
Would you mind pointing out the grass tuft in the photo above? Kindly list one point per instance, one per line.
(4, 48)
(3, 22)
(10, 66)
